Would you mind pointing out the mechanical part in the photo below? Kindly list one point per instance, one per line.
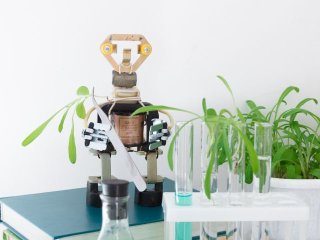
(152, 196)
(126, 109)
(144, 49)
(95, 136)
(129, 128)
(105, 165)
(126, 57)
(108, 48)
(121, 150)
(127, 80)
(93, 193)
(152, 167)
(158, 134)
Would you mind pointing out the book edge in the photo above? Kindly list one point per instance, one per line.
(135, 228)
(26, 228)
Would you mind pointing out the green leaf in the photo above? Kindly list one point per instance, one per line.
(222, 156)
(291, 171)
(170, 151)
(161, 107)
(72, 145)
(286, 92)
(304, 101)
(240, 115)
(226, 147)
(282, 97)
(295, 111)
(225, 111)
(207, 179)
(211, 114)
(250, 150)
(317, 156)
(80, 110)
(224, 81)
(248, 174)
(255, 109)
(33, 135)
(61, 124)
(82, 91)
(315, 172)
(204, 107)
(284, 152)
(291, 136)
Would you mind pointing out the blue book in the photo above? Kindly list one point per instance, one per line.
(61, 214)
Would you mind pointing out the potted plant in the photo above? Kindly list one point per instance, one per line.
(296, 152)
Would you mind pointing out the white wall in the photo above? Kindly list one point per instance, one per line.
(48, 48)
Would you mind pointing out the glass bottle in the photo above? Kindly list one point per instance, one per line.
(114, 198)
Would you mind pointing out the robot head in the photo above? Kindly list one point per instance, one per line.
(144, 49)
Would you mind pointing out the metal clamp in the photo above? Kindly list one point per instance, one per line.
(158, 134)
(95, 136)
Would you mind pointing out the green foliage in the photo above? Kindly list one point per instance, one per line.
(218, 125)
(78, 107)
(82, 91)
(61, 124)
(161, 107)
(296, 147)
(72, 146)
(80, 110)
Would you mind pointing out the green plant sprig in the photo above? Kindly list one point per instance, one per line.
(296, 146)
(78, 109)
(219, 144)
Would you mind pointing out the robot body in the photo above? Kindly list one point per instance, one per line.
(143, 133)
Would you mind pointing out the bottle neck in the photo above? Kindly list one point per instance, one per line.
(114, 208)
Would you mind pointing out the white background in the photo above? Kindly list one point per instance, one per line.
(50, 47)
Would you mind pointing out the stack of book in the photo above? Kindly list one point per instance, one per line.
(65, 215)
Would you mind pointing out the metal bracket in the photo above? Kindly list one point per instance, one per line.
(158, 134)
(95, 136)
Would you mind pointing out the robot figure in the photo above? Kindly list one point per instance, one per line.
(142, 133)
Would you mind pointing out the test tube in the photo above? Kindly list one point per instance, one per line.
(236, 175)
(263, 147)
(261, 185)
(183, 169)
